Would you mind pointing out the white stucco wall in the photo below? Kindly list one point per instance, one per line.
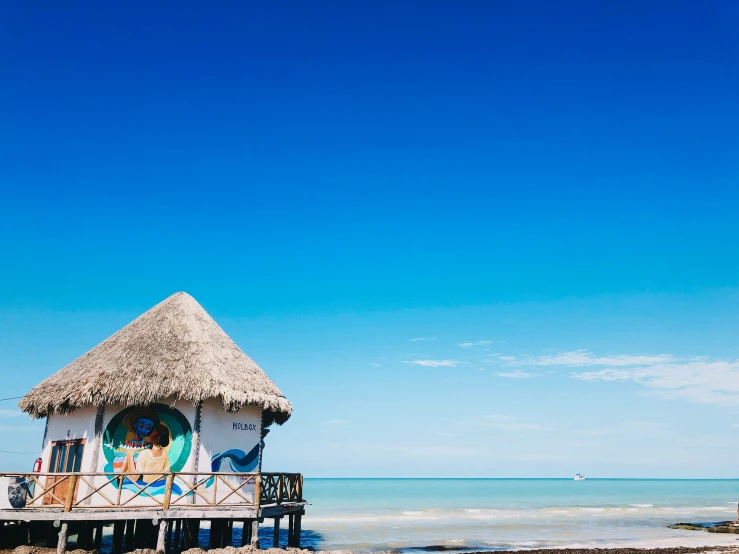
(221, 431)
(80, 424)
(235, 439)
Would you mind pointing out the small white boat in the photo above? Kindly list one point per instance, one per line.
(579, 477)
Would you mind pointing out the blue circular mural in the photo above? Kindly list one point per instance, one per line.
(147, 442)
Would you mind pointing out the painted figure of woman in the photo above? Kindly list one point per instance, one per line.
(154, 461)
(140, 425)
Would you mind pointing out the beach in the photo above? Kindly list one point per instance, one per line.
(512, 514)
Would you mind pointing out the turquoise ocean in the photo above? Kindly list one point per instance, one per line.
(503, 514)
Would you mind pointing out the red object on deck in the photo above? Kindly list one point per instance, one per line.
(37, 465)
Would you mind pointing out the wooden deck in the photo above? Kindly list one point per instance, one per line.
(175, 502)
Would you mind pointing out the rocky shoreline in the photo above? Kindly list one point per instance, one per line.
(722, 527)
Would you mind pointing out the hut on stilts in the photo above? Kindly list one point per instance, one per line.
(158, 428)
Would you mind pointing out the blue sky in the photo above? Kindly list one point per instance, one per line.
(480, 239)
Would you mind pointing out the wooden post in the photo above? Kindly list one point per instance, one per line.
(177, 531)
(53, 536)
(97, 543)
(130, 530)
(245, 530)
(84, 536)
(61, 545)
(187, 539)
(161, 542)
(139, 535)
(255, 533)
(276, 542)
(215, 532)
(191, 528)
(97, 447)
(290, 530)
(298, 518)
(168, 491)
(195, 450)
(227, 539)
(118, 528)
(69, 500)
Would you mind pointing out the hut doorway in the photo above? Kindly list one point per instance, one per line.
(66, 457)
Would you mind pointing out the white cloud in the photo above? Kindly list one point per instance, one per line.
(696, 380)
(585, 358)
(434, 363)
(12, 413)
(519, 375)
(374, 364)
(422, 338)
(471, 344)
(336, 421)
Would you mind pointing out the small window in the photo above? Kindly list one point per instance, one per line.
(66, 456)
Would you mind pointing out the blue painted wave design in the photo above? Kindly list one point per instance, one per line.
(156, 488)
(238, 461)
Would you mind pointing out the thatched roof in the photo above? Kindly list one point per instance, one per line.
(174, 349)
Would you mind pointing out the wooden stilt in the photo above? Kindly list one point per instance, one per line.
(255, 533)
(98, 541)
(245, 533)
(191, 528)
(84, 536)
(152, 535)
(130, 534)
(161, 542)
(118, 528)
(53, 536)
(177, 531)
(145, 535)
(290, 530)
(228, 533)
(61, 545)
(215, 534)
(187, 541)
(139, 533)
(296, 531)
(276, 542)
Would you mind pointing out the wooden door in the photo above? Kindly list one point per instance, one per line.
(66, 457)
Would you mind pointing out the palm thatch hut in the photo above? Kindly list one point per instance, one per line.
(168, 392)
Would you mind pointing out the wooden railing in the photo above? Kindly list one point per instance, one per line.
(180, 490)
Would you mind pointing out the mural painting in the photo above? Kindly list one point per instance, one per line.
(147, 442)
(233, 445)
(237, 460)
